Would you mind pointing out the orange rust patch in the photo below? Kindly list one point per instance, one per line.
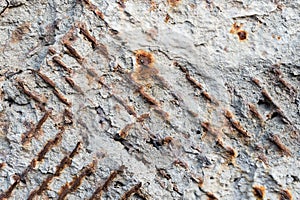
(167, 18)
(144, 58)
(285, 195)
(259, 191)
(145, 70)
(242, 35)
(174, 2)
(18, 34)
(236, 29)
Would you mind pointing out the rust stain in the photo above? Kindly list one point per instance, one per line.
(49, 145)
(259, 191)
(39, 98)
(242, 35)
(125, 131)
(174, 3)
(33, 132)
(18, 33)
(254, 111)
(236, 124)
(2, 165)
(131, 191)
(144, 58)
(285, 195)
(181, 163)
(167, 18)
(60, 63)
(72, 186)
(276, 140)
(236, 29)
(98, 192)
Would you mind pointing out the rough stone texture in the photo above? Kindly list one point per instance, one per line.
(192, 99)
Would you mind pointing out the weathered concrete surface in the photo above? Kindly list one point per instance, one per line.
(196, 99)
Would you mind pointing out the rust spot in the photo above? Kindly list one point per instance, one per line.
(144, 58)
(231, 152)
(167, 140)
(236, 29)
(285, 195)
(174, 3)
(22, 30)
(167, 18)
(181, 164)
(242, 35)
(2, 165)
(259, 191)
(145, 71)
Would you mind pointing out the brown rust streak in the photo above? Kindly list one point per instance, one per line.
(9, 191)
(255, 112)
(142, 117)
(49, 145)
(32, 165)
(236, 124)
(41, 100)
(164, 115)
(87, 34)
(76, 182)
(2, 165)
(128, 108)
(125, 131)
(98, 192)
(267, 96)
(61, 97)
(279, 74)
(73, 85)
(73, 52)
(95, 10)
(256, 82)
(259, 191)
(276, 140)
(147, 97)
(207, 127)
(52, 51)
(195, 83)
(131, 191)
(58, 61)
(285, 195)
(46, 79)
(27, 137)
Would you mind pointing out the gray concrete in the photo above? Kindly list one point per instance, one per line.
(163, 119)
